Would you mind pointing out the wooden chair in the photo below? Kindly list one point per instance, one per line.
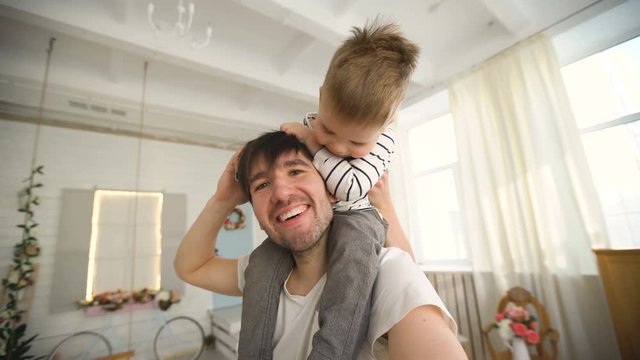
(548, 336)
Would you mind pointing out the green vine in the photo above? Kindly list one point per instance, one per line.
(13, 346)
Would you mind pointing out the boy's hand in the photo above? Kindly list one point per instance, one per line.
(303, 134)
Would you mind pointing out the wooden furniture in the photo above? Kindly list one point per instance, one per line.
(521, 297)
(225, 327)
(118, 356)
(620, 274)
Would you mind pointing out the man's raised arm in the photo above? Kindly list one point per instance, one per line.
(196, 262)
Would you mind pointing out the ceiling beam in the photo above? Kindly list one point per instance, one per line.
(341, 7)
(104, 30)
(509, 14)
(292, 51)
(305, 17)
(22, 91)
(116, 61)
(246, 97)
(310, 19)
(120, 10)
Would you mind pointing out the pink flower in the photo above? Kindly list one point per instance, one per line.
(25, 282)
(519, 329)
(532, 337)
(32, 251)
(517, 321)
(517, 313)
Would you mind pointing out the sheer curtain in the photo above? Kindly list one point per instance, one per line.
(531, 208)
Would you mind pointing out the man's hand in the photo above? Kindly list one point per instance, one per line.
(380, 197)
(303, 134)
(228, 190)
(195, 261)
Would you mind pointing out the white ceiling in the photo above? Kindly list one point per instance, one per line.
(263, 66)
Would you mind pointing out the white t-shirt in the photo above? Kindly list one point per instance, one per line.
(400, 287)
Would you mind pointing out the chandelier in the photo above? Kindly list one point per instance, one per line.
(182, 25)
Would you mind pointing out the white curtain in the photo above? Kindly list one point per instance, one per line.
(531, 209)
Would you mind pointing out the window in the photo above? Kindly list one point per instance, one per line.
(126, 241)
(437, 218)
(604, 91)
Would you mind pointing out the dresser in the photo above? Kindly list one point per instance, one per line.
(620, 274)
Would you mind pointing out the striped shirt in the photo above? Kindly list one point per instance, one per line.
(350, 179)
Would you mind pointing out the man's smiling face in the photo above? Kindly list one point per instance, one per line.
(290, 201)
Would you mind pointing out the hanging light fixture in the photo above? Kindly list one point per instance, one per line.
(182, 25)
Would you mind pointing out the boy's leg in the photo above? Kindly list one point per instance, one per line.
(269, 266)
(355, 239)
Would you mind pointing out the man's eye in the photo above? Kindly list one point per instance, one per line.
(261, 186)
(295, 172)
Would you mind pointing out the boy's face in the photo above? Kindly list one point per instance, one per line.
(340, 136)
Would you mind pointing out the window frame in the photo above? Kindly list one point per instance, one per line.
(623, 120)
(411, 177)
(600, 127)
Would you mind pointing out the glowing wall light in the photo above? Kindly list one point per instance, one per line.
(153, 207)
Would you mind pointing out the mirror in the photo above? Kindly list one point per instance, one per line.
(117, 196)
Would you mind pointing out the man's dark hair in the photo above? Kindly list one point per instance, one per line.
(268, 146)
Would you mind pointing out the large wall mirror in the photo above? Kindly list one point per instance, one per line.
(119, 188)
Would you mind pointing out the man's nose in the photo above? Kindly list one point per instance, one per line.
(281, 190)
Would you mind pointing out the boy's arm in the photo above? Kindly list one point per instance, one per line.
(351, 179)
(195, 261)
(424, 334)
(380, 197)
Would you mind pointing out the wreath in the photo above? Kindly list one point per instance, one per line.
(238, 224)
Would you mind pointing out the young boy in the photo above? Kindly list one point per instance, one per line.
(352, 146)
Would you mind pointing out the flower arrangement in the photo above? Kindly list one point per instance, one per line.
(229, 224)
(167, 298)
(114, 300)
(516, 321)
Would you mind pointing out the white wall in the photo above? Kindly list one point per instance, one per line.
(87, 160)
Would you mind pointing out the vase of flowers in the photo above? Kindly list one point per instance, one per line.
(167, 298)
(518, 328)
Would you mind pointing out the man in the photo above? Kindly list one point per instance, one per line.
(291, 204)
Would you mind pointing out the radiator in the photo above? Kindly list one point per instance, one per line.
(458, 292)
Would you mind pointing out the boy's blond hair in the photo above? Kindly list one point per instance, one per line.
(369, 73)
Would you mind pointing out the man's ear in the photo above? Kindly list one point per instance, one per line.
(332, 199)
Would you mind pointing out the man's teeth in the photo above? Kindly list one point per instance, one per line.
(291, 213)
